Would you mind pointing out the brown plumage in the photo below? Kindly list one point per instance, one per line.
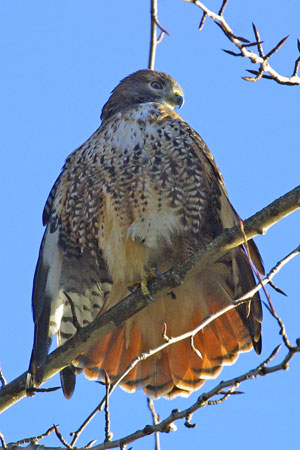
(143, 191)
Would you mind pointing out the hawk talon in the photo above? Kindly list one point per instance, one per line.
(143, 285)
(145, 290)
(154, 272)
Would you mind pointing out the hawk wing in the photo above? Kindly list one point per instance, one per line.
(65, 273)
(250, 312)
(202, 147)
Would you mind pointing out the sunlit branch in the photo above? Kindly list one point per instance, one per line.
(265, 69)
(154, 40)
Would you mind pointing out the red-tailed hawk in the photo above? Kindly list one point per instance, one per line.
(142, 192)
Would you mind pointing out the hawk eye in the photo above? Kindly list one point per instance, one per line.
(156, 85)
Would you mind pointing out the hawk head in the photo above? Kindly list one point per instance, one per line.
(143, 86)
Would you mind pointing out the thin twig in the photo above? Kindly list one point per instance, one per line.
(201, 25)
(259, 44)
(282, 328)
(84, 424)
(90, 444)
(221, 11)
(61, 438)
(34, 439)
(154, 40)
(225, 395)
(153, 35)
(277, 289)
(257, 58)
(108, 434)
(155, 419)
(33, 390)
(297, 63)
(160, 37)
(277, 47)
(3, 443)
(253, 44)
(2, 378)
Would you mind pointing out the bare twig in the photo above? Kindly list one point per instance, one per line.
(277, 289)
(33, 390)
(297, 62)
(156, 419)
(277, 47)
(89, 445)
(33, 439)
(282, 328)
(154, 40)
(257, 58)
(3, 443)
(259, 44)
(61, 438)
(225, 395)
(2, 379)
(108, 434)
(201, 25)
(221, 11)
(90, 417)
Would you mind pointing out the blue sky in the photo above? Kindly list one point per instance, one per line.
(59, 62)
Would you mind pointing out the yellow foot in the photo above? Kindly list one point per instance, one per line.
(145, 290)
(153, 273)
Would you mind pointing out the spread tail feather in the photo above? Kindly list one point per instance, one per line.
(184, 366)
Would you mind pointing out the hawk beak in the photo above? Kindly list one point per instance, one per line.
(178, 100)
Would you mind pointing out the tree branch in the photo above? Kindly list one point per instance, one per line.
(155, 419)
(225, 389)
(154, 40)
(57, 360)
(243, 45)
(2, 378)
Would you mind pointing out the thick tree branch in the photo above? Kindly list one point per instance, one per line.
(57, 360)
